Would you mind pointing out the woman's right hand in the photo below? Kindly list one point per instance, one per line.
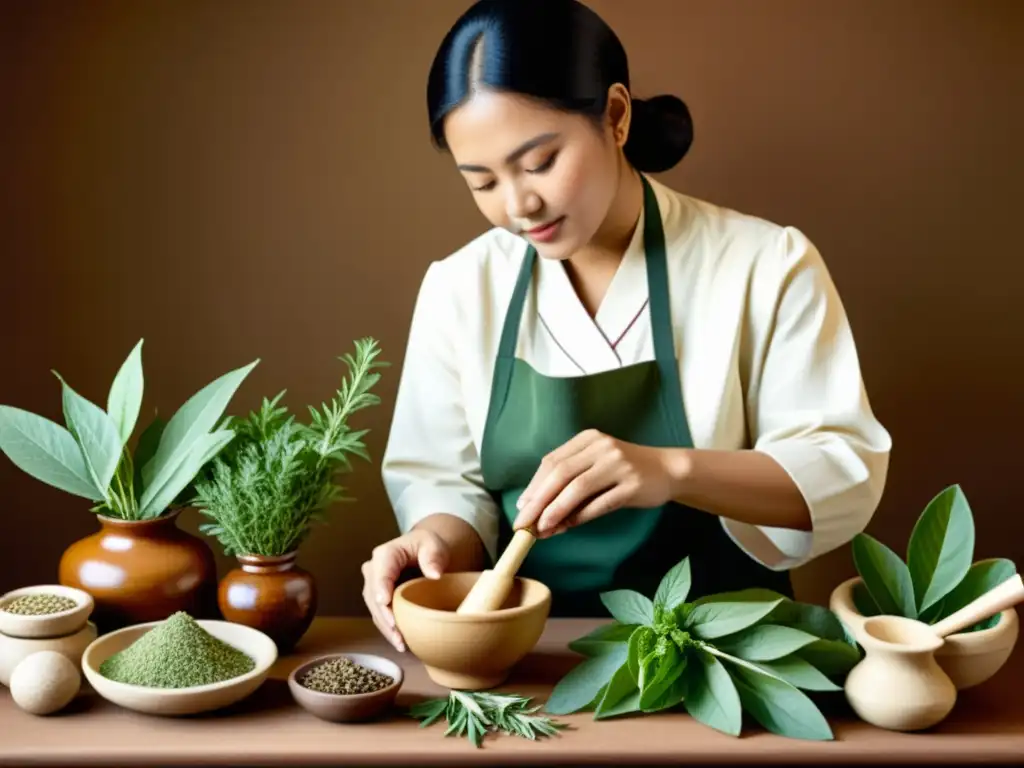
(419, 546)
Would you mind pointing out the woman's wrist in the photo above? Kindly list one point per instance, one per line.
(465, 547)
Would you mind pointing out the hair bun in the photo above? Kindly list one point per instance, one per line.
(660, 133)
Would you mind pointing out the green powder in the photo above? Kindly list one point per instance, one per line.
(40, 604)
(177, 653)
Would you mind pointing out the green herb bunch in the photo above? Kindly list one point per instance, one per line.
(92, 457)
(719, 656)
(278, 477)
(938, 577)
(474, 714)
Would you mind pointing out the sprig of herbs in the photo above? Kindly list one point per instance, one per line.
(278, 476)
(473, 714)
(719, 656)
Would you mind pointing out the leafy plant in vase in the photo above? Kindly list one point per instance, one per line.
(266, 491)
(938, 578)
(140, 566)
(753, 652)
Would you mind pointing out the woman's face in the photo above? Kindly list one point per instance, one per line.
(548, 175)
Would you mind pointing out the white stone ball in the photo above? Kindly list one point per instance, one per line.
(44, 682)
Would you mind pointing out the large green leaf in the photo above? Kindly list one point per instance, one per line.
(800, 673)
(157, 498)
(96, 434)
(628, 607)
(815, 619)
(711, 697)
(674, 586)
(982, 576)
(145, 449)
(667, 668)
(584, 681)
(621, 695)
(602, 639)
(778, 706)
(729, 612)
(832, 657)
(765, 642)
(46, 451)
(641, 643)
(941, 547)
(885, 575)
(197, 417)
(125, 397)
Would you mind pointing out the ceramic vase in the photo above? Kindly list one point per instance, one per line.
(271, 594)
(142, 570)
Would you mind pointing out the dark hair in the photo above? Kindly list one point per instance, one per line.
(558, 51)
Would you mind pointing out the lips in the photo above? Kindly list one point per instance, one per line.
(545, 232)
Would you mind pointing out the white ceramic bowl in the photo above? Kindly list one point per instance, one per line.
(969, 658)
(14, 649)
(180, 701)
(47, 625)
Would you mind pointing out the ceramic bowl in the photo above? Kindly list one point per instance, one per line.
(49, 625)
(180, 701)
(469, 652)
(969, 658)
(342, 708)
(14, 649)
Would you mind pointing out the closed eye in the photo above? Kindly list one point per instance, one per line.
(546, 165)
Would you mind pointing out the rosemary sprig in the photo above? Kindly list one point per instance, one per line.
(473, 714)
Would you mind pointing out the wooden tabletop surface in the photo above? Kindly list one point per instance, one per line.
(268, 728)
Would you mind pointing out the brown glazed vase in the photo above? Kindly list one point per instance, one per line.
(142, 570)
(270, 594)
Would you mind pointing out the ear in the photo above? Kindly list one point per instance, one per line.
(618, 113)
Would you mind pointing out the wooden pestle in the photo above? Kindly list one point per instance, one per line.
(494, 585)
(996, 600)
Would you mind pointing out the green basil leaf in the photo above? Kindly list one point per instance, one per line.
(157, 498)
(667, 669)
(765, 642)
(581, 685)
(96, 434)
(672, 696)
(125, 397)
(145, 449)
(641, 643)
(886, 577)
(46, 451)
(982, 576)
(778, 706)
(711, 697)
(730, 612)
(833, 657)
(800, 673)
(621, 695)
(863, 601)
(814, 619)
(674, 586)
(628, 607)
(602, 639)
(941, 547)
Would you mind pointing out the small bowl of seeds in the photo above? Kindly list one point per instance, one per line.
(346, 687)
(44, 611)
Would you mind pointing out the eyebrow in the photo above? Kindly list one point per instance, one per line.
(515, 154)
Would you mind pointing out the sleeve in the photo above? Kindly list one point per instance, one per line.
(809, 411)
(430, 464)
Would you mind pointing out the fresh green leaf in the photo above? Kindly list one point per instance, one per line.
(671, 696)
(863, 601)
(711, 697)
(765, 642)
(145, 450)
(46, 451)
(941, 547)
(602, 639)
(96, 434)
(157, 497)
(982, 576)
(778, 706)
(199, 414)
(729, 612)
(621, 695)
(474, 714)
(814, 619)
(628, 607)
(641, 643)
(674, 586)
(831, 657)
(800, 673)
(125, 398)
(885, 575)
(579, 687)
(668, 666)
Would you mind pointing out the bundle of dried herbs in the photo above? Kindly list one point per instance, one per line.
(474, 714)
(720, 656)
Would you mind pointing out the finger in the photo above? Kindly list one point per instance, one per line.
(574, 495)
(557, 479)
(604, 504)
(383, 619)
(432, 556)
(388, 562)
(563, 452)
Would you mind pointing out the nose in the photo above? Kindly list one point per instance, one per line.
(521, 202)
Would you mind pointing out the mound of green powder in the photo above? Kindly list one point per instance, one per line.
(177, 653)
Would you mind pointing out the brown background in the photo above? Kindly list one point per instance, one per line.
(233, 180)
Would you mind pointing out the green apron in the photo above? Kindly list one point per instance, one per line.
(530, 415)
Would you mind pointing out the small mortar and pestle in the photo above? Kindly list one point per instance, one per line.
(470, 628)
(899, 685)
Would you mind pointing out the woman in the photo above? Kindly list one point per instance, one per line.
(637, 375)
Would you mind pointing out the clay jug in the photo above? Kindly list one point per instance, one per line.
(271, 594)
(142, 570)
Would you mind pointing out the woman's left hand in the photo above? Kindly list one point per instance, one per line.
(592, 475)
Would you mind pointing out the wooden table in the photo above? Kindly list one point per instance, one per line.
(270, 729)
